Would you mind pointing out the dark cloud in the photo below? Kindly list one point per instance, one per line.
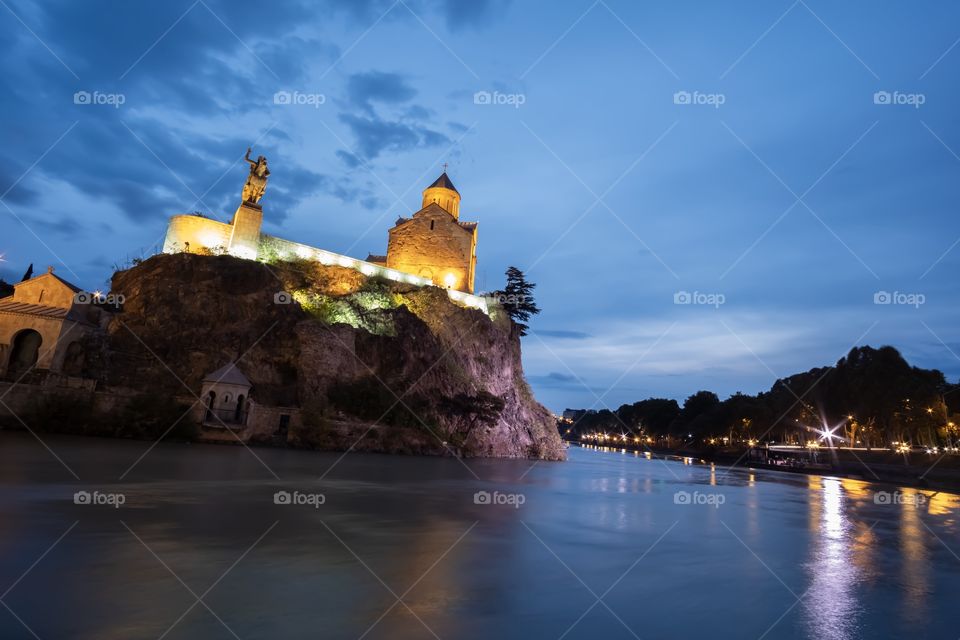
(16, 192)
(349, 159)
(461, 14)
(365, 89)
(136, 156)
(555, 380)
(374, 135)
(62, 226)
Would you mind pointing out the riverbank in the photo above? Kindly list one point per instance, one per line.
(927, 471)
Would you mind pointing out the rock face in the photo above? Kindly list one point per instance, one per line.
(373, 365)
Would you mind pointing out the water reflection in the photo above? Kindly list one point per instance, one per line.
(915, 565)
(832, 611)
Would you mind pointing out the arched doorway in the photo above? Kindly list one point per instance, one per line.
(25, 351)
(238, 414)
(211, 400)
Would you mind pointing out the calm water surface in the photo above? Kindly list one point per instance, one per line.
(400, 549)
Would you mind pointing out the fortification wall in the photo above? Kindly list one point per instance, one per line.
(196, 234)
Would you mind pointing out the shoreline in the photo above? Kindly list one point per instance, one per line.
(927, 477)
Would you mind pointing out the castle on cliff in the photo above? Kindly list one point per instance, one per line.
(431, 247)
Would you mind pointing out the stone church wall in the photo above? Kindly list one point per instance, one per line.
(437, 253)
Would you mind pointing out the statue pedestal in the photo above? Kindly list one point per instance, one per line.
(245, 235)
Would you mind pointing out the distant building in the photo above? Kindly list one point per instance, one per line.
(228, 410)
(575, 414)
(41, 326)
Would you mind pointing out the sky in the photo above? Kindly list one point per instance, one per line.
(707, 195)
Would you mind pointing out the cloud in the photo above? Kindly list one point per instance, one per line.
(365, 89)
(472, 13)
(559, 333)
(555, 380)
(374, 135)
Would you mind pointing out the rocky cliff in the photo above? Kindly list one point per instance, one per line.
(373, 364)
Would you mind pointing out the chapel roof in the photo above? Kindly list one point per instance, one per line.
(444, 182)
(8, 305)
(228, 374)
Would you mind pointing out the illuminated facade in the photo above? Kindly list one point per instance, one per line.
(430, 247)
(433, 243)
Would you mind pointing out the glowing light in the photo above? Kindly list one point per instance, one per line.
(828, 435)
(346, 262)
(449, 280)
(211, 240)
(243, 252)
(304, 253)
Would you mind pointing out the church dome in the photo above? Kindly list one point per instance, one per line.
(443, 193)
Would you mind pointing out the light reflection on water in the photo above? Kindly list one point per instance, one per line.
(832, 609)
(861, 569)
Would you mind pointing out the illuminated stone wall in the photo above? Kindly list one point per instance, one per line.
(448, 200)
(195, 234)
(431, 248)
(434, 246)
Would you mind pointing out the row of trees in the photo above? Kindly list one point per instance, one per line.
(873, 398)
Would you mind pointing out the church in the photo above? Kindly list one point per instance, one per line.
(431, 247)
(433, 243)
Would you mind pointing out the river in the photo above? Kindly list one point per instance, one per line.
(104, 539)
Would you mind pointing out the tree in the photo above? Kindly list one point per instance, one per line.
(517, 299)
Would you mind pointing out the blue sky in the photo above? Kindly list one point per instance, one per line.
(632, 151)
